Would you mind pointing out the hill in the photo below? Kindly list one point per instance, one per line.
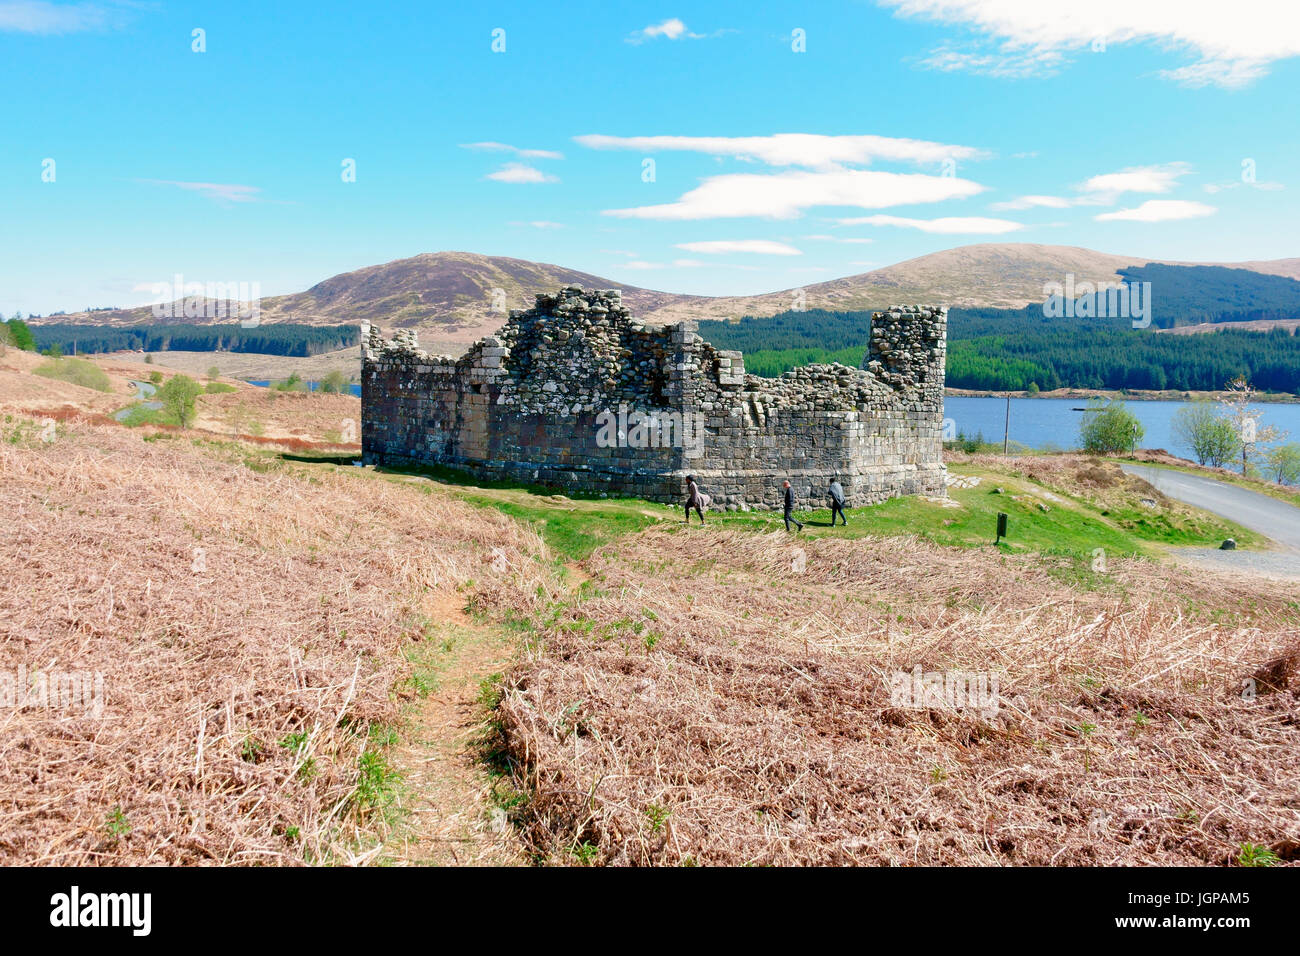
(448, 296)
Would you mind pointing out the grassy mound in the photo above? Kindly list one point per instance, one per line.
(77, 372)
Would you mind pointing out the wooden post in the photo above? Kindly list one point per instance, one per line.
(1006, 430)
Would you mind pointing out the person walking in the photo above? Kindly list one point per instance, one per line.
(789, 508)
(695, 500)
(836, 493)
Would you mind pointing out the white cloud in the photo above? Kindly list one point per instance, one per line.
(1234, 45)
(36, 16)
(507, 148)
(951, 225)
(221, 192)
(1032, 202)
(786, 195)
(682, 264)
(765, 247)
(811, 150)
(1159, 210)
(1135, 179)
(851, 240)
(1004, 65)
(540, 224)
(672, 28)
(521, 173)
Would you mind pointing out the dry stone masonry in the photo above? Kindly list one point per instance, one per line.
(578, 395)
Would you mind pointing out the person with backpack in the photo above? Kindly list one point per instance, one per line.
(789, 508)
(836, 494)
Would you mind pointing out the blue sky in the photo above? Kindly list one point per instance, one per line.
(902, 127)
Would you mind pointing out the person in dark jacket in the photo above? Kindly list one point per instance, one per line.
(694, 499)
(789, 508)
(836, 493)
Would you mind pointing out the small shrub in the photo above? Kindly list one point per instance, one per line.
(376, 779)
(1108, 428)
(333, 382)
(293, 383)
(179, 397)
(1252, 855)
(117, 824)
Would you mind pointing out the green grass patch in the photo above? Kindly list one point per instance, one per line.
(137, 415)
(77, 372)
(1040, 520)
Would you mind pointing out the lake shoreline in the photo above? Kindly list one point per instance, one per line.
(1083, 394)
(1053, 424)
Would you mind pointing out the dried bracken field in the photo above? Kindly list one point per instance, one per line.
(707, 696)
(247, 623)
(700, 702)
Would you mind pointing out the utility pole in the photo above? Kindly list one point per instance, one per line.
(1006, 430)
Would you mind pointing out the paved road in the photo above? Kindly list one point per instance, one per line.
(1269, 516)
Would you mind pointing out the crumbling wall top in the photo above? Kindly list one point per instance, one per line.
(578, 351)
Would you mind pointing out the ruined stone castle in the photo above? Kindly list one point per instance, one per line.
(577, 395)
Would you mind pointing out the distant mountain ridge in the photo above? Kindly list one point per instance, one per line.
(455, 297)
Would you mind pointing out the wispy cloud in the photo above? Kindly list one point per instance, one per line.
(539, 224)
(1033, 38)
(1135, 179)
(1159, 210)
(643, 265)
(850, 240)
(521, 173)
(1007, 65)
(951, 225)
(670, 29)
(1220, 187)
(811, 150)
(220, 192)
(764, 247)
(1034, 202)
(786, 195)
(1106, 189)
(507, 148)
(37, 16)
(675, 264)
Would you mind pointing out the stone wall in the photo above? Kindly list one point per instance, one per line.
(576, 394)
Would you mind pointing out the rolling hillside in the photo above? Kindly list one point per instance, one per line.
(448, 295)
